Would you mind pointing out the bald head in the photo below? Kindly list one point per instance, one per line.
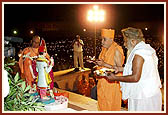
(36, 38)
(35, 41)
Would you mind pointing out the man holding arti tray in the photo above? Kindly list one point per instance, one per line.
(108, 93)
(140, 83)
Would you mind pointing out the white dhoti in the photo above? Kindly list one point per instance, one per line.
(144, 95)
(153, 103)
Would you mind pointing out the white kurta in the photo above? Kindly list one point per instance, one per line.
(41, 67)
(144, 95)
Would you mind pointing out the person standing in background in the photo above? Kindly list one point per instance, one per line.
(78, 52)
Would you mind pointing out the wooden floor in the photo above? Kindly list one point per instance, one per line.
(79, 102)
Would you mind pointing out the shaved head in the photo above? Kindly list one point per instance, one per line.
(36, 38)
(35, 41)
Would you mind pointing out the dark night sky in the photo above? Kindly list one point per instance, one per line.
(18, 15)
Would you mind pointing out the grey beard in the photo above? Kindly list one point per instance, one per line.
(129, 51)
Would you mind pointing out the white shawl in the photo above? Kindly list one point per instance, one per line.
(149, 83)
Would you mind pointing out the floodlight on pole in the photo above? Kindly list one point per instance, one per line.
(95, 15)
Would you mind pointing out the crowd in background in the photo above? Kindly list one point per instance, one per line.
(62, 51)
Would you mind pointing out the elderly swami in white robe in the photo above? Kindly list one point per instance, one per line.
(140, 83)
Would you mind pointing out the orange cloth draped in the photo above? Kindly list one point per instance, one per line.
(109, 94)
(25, 63)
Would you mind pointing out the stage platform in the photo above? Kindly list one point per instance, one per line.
(82, 103)
(67, 82)
(67, 79)
(79, 102)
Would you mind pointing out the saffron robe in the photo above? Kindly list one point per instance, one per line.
(25, 63)
(108, 93)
